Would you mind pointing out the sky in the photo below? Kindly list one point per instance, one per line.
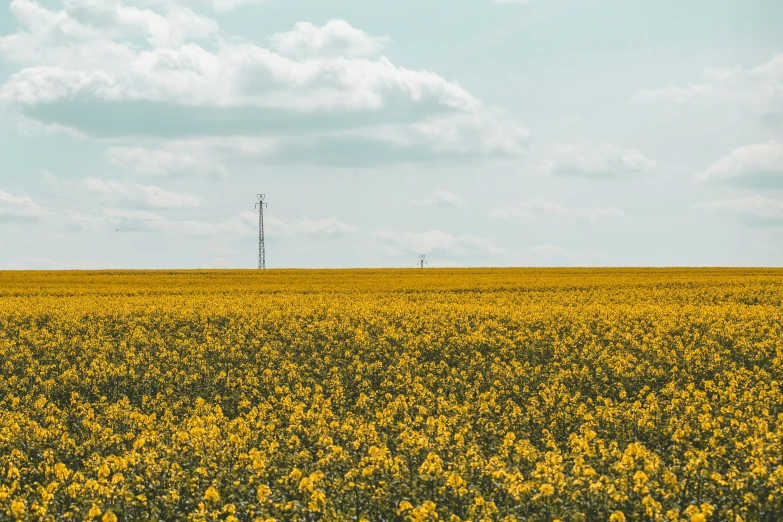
(138, 133)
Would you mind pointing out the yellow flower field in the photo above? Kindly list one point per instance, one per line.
(480, 394)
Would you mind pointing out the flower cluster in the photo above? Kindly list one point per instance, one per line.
(537, 395)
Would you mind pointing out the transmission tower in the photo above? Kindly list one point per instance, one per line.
(261, 252)
(421, 260)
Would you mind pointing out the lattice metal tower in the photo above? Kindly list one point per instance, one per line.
(261, 252)
(421, 260)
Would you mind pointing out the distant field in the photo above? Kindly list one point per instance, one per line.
(459, 394)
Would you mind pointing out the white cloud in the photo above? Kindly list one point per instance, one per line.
(222, 262)
(486, 132)
(753, 210)
(239, 227)
(335, 38)
(676, 94)
(122, 192)
(18, 208)
(321, 84)
(216, 5)
(434, 242)
(600, 161)
(221, 250)
(538, 206)
(159, 162)
(228, 5)
(113, 18)
(308, 227)
(194, 157)
(441, 263)
(382, 144)
(32, 128)
(759, 89)
(28, 262)
(50, 179)
(136, 215)
(760, 164)
(242, 75)
(54, 36)
(441, 198)
(203, 157)
(23, 210)
(557, 255)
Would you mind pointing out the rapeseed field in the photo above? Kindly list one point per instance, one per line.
(505, 394)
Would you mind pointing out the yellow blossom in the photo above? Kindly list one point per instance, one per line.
(211, 494)
(17, 508)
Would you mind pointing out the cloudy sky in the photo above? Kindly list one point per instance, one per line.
(137, 133)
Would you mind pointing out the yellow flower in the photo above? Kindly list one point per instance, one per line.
(317, 500)
(617, 516)
(432, 466)
(17, 508)
(404, 506)
(424, 512)
(61, 471)
(263, 493)
(211, 494)
(444, 363)
(174, 495)
(109, 517)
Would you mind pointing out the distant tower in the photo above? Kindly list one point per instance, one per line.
(261, 252)
(421, 260)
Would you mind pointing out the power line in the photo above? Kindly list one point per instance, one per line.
(68, 211)
(114, 206)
